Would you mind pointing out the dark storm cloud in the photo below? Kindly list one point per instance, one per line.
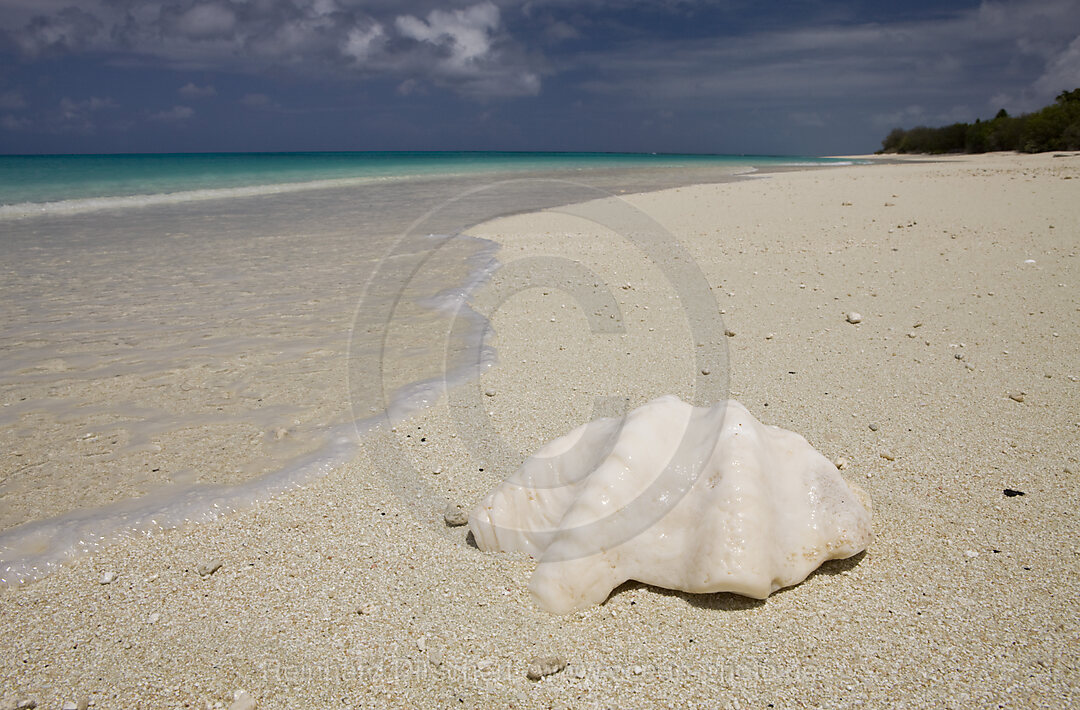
(463, 48)
(811, 76)
(967, 54)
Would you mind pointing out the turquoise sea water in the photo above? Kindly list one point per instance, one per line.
(34, 184)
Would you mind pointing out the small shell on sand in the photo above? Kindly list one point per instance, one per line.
(455, 515)
(14, 703)
(205, 569)
(541, 666)
(242, 701)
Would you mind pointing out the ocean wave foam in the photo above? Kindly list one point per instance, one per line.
(30, 551)
(22, 210)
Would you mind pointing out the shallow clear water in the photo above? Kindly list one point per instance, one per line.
(168, 362)
(49, 183)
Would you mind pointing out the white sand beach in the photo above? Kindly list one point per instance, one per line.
(961, 380)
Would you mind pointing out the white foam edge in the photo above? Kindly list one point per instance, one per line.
(30, 551)
(23, 210)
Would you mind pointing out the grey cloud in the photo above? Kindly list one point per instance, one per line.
(206, 20)
(176, 113)
(975, 53)
(72, 109)
(363, 42)
(70, 29)
(77, 115)
(1062, 71)
(193, 91)
(408, 87)
(464, 48)
(464, 34)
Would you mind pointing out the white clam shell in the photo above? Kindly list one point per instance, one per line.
(699, 499)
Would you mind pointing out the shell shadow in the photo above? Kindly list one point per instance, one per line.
(729, 601)
(723, 601)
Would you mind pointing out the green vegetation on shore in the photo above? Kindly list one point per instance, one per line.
(1053, 127)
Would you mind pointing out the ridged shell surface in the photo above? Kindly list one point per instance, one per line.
(698, 499)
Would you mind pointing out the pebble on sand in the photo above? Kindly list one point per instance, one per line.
(541, 666)
(874, 427)
(1016, 396)
(205, 569)
(1012, 493)
(108, 578)
(12, 703)
(455, 515)
(888, 455)
(854, 317)
(729, 333)
(242, 701)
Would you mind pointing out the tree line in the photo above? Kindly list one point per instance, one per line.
(1053, 127)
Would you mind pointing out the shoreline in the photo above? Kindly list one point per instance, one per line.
(346, 590)
(36, 546)
(79, 203)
